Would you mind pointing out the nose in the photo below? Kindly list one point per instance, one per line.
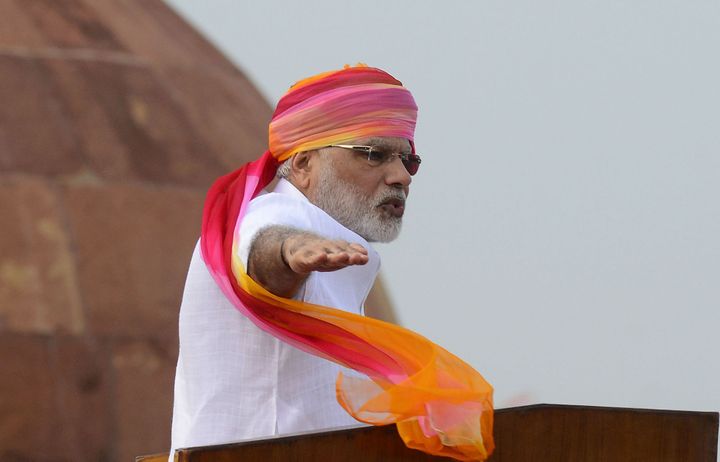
(397, 175)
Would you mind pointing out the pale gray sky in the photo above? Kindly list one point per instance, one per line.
(563, 234)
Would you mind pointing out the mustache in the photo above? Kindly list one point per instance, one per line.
(391, 195)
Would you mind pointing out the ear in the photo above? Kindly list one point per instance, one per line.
(301, 169)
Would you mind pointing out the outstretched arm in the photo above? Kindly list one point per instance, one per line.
(281, 258)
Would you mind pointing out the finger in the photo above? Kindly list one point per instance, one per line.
(358, 248)
(333, 248)
(358, 259)
(325, 255)
(348, 247)
(325, 261)
(307, 260)
(342, 260)
(338, 259)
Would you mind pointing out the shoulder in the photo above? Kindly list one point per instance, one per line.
(280, 209)
(274, 209)
(286, 206)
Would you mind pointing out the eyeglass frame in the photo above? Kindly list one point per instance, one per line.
(404, 158)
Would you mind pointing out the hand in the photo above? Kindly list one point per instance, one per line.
(304, 253)
(281, 258)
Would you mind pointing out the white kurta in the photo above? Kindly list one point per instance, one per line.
(236, 382)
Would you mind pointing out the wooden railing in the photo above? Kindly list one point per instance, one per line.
(539, 433)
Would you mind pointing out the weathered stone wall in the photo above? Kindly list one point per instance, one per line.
(115, 116)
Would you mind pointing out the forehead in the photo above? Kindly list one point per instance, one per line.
(394, 144)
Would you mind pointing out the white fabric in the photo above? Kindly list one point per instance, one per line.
(236, 382)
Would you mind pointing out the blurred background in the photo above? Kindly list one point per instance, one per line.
(561, 235)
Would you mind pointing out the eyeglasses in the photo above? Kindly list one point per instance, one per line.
(378, 156)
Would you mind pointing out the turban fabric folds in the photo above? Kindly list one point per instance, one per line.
(440, 404)
(337, 107)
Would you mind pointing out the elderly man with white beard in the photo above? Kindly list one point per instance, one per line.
(363, 186)
(307, 239)
(272, 337)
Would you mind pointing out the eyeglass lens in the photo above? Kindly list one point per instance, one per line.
(410, 161)
(412, 164)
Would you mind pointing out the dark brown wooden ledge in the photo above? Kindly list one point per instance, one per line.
(538, 433)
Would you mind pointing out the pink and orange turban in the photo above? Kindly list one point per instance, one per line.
(341, 106)
(440, 404)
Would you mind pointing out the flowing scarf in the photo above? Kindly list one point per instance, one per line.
(440, 404)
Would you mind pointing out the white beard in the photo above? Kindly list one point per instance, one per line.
(356, 211)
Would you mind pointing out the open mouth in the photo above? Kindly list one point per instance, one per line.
(393, 206)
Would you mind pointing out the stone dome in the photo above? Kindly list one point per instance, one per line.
(115, 118)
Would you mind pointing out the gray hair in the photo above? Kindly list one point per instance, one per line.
(283, 170)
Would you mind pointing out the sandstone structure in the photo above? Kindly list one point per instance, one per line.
(115, 116)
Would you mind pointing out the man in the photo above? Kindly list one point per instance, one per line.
(277, 283)
(364, 195)
(308, 240)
